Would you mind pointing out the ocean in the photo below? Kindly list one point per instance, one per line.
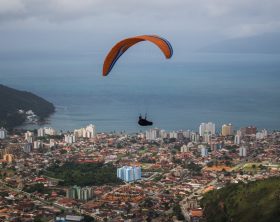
(242, 89)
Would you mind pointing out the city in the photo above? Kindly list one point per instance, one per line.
(48, 175)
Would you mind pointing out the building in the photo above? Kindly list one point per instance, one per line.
(78, 193)
(227, 129)
(239, 133)
(52, 143)
(208, 128)
(69, 218)
(90, 131)
(29, 136)
(194, 137)
(3, 133)
(214, 145)
(207, 137)
(27, 148)
(129, 173)
(237, 139)
(173, 135)
(8, 158)
(46, 131)
(204, 150)
(163, 134)
(49, 131)
(69, 138)
(37, 144)
(185, 148)
(261, 135)
(249, 130)
(41, 132)
(242, 151)
(152, 134)
(86, 193)
(87, 132)
(187, 134)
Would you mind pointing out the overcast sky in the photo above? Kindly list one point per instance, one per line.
(91, 26)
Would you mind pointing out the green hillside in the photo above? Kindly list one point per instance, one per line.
(11, 100)
(256, 201)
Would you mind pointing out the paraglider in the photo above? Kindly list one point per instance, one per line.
(144, 122)
(117, 51)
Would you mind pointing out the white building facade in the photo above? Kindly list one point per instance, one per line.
(129, 173)
(208, 128)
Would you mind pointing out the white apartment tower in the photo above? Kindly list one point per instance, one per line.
(242, 151)
(41, 132)
(49, 131)
(69, 138)
(29, 136)
(208, 128)
(237, 139)
(87, 132)
(3, 133)
(152, 134)
(173, 135)
(90, 131)
(204, 150)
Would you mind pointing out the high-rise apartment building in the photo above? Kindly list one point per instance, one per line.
(227, 129)
(69, 138)
(242, 151)
(194, 137)
(152, 134)
(185, 148)
(249, 130)
(37, 144)
(87, 132)
(203, 150)
(76, 192)
(237, 139)
(29, 136)
(173, 135)
(208, 128)
(3, 133)
(41, 132)
(49, 131)
(261, 135)
(129, 173)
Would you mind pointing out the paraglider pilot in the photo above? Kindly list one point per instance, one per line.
(144, 122)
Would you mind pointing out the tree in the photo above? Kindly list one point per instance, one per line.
(88, 218)
(228, 163)
(178, 212)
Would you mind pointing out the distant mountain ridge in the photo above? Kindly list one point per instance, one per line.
(266, 43)
(12, 100)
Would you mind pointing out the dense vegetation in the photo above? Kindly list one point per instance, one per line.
(37, 187)
(86, 174)
(255, 201)
(178, 212)
(12, 100)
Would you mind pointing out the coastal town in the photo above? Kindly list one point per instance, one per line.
(50, 175)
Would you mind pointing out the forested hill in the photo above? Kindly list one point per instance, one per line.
(255, 201)
(12, 100)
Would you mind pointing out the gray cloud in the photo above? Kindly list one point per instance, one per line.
(229, 15)
(188, 23)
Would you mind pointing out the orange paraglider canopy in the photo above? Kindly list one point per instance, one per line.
(116, 52)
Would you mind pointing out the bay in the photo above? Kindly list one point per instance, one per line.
(242, 89)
